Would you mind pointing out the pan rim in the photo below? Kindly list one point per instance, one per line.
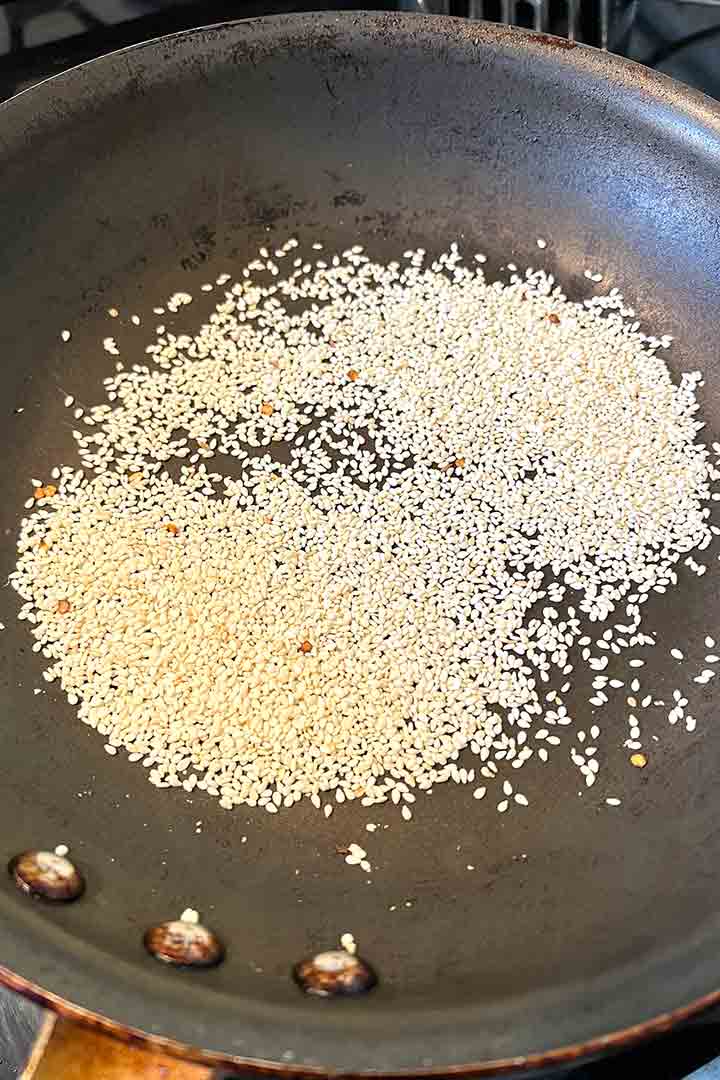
(614, 1041)
(672, 96)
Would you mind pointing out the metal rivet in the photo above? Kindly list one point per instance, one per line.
(184, 944)
(334, 973)
(45, 874)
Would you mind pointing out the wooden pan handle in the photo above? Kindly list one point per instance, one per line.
(67, 1051)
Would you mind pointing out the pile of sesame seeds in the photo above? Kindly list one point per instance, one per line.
(473, 474)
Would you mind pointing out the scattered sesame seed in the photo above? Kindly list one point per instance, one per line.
(279, 582)
(347, 942)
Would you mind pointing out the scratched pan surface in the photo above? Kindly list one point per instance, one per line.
(156, 169)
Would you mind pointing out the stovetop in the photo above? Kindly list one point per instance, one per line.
(42, 37)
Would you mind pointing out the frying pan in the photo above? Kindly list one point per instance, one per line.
(581, 927)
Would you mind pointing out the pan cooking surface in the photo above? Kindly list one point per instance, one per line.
(154, 169)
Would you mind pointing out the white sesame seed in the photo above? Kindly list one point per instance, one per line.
(347, 942)
(277, 581)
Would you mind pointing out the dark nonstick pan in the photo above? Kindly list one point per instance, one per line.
(152, 169)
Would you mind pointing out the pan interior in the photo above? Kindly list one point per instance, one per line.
(155, 170)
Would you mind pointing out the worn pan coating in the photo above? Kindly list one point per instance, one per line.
(155, 169)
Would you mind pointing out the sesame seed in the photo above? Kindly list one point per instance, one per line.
(319, 627)
(347, 942)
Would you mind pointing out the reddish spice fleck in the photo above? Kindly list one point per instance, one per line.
(63, 606)
(553, 318)
(266, 409)
(353, 375)
(305, 647)
(39, 493)
(172, 528)
(459, 463)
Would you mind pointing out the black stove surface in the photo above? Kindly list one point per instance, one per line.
(39, 38)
